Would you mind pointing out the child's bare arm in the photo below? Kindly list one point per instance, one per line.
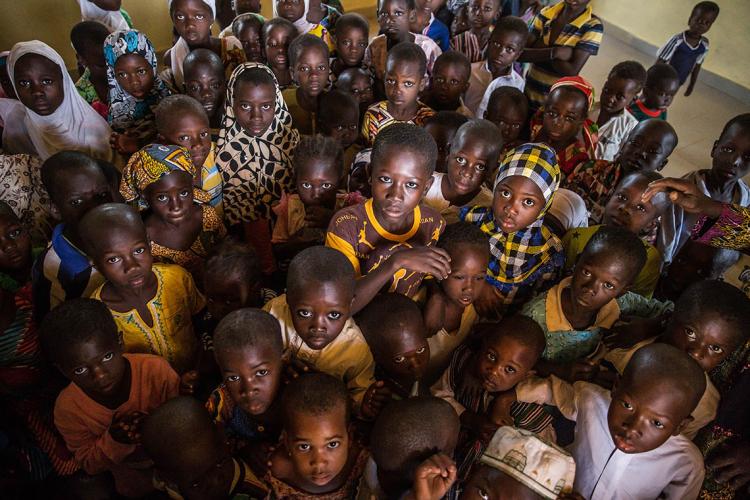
(693, 79)
(571, 372)
(434, 311)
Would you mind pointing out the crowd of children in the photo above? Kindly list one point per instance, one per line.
(299, 261)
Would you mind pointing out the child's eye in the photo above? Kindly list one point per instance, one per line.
(390, 81)
(76, 202)
(658, 424)
(113, 260)
(626, 405)
(304, 313)
(510, 369)
(47, 81)
(529, 202)
(491, 356)
(121, 74)
(185, 193)
(183, 138)
(306, 185)
(334, 444)
(461, 160)
(586, 272)
(334, 315)
(261, 373)
(80, 371)
(408, 84)
(108, 356)
(412, 185)
(200, 17)
(421, 350)
(504, 193)
(621, 197)
(15, 233)
(609, 286)
(326, 185)
(23, 83)
(303, 447)
(399, 359)
(204, 134)
(180, 17)
(161, 198)
(481, 167)
(266, 107)
(233, 378)
(483, 494)
(716, 349)
(384, 179)
(690, 333)
(139, 251)
(141, 72)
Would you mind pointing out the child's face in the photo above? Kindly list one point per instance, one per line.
(252, 375)
(626, 209)
(311, 71)
(135, 75)
(564, 113)
(350, 46)
(318, 445)
(642, 416)
(707, 338)
(647, 148)
(503, 49)
(320, 312)
(96, 366)
(508, 117)
(249, 36)
(488, 483)
(467, 278)
(5, 83)
(318, 181)
(15, 244)
(192, 20)
(694, 262)
(482, 13)
(517, 203)
(700, 22)
(597, 280)
(171, 197)
(731, 156)
(398, 184)
(407, 357)
(254, 106)
(469, 164)
(394, 18)
(244, 6)
(403, 82)
(448, 83)
(225, 294)
(443, 136)
(39, 84)
(79, 192)
(617, 94)
(361, 89)
(344, 126)
(123, 256)
(191, 131)
(291, 10)
(277, 47)
(421, 19)
(503, 363)
(204, 471)
(659, 95)
(92, 58)
(460, 21)
(207, 86)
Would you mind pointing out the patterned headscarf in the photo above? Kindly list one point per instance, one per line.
(517, 256)
(125, 111)
(255, 170)
(149, 165)
(589, 129)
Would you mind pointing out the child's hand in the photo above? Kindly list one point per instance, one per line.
(630, 330)
(429, 260)
(479, 425)
(731, 465)
(125, 143)
(126, 429)
(188, 381)
(500, 410)
(375, 398)
(433, 478)
(318, 217)
(293, 369)
(582, 370)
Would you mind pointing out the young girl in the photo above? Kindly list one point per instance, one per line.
(277, 35)
(309, 16)
(526, 256)
(308, 60)
(473, 42)
(248, 29)
(254, 153)
(192, 20)
(49, 115)
(26, 387)
(182, 229)
(134, 89)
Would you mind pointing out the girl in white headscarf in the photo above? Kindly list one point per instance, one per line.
(192, 20)
(50, 115)
(114, 20)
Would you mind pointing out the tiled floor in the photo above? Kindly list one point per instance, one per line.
(698, 119)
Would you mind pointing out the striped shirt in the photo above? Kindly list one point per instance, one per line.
(682, 56)
(583, 33)
(377, 117)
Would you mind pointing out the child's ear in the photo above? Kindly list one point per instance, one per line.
(428, 185)
(54, 210)
(678, 430)
(80, 61)
(423, 83)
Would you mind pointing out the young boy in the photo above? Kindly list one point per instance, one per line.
(75, 185)
(627, 210)
(317, 454)
(206, 83)
(394, 17)
(506, 43)
(610, 114)
(278, 33)
(191, 457)
(406, 433)
(153, 304)
(449, 313)
(248, 349)
(628, 442)
(474, 153)
(473, 42)
(390, 238)
(338, 117)
(435, 28)
(352, 34)
(100, 412)
(87, 38)
(449, 81)
(686, 51)
(308, 62)
(709, 323)
(248, 29)
(396, 334)
(647, 148)
(182, 121)
(442, 126)
(508, 109)
(357, 82)
(723, 182)
(316, 320)
(404, 79)
(662, 83)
